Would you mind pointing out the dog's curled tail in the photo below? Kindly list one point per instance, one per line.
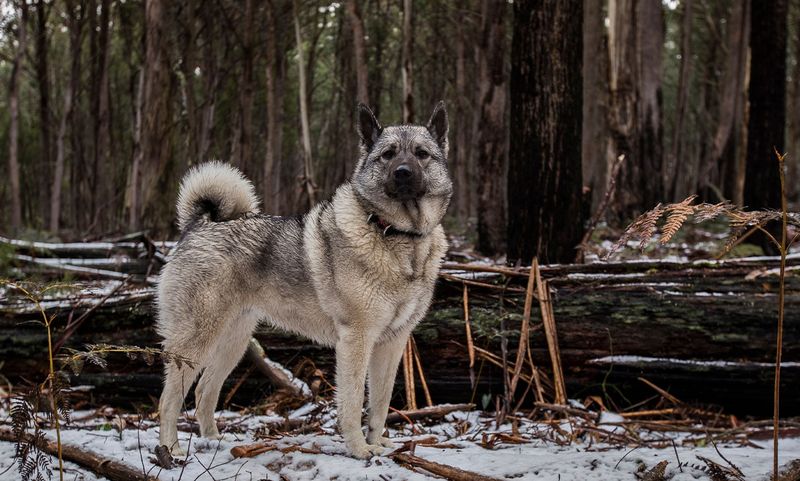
(215, 191)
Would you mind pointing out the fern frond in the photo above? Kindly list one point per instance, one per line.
(676, 216)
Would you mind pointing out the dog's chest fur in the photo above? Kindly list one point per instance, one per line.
(362, 276)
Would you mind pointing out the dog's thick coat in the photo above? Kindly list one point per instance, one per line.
(356, 273)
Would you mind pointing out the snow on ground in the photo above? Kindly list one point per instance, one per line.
(462, 437)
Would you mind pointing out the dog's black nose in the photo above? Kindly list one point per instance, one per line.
(403, 173)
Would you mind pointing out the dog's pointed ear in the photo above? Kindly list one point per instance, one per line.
(369, 129)
(438, 125)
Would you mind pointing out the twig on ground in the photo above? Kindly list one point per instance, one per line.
(443, 470)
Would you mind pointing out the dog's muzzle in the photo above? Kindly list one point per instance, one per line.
(405, 184)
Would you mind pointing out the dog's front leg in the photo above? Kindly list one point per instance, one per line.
(353, 351)
(382, 372)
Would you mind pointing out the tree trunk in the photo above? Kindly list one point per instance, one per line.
(767, 98)
(274, 113)
(308, 175)
(732, 98)
(246, 90)
(156, 118)
(460, 156)
(103, 173)
(75, 18)
(546, 117)
(13, 109)
(407, 68)
(685, 167)
(595, 93)
(793, 138)
(45, 115)
(636, 37)
(359, 50)
(491, 131)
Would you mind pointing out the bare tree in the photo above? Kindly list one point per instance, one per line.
(491, 131)
(595, 93)
(767, 98)
(686, 167)
(13, 108)
(636, 37)
(75, 20)
(308, 174)
(43, 82)
(275, 78)
(359, 50)
(102, 170)
(546, 113)
(407, 68)
(154, 150)
(793, 108)
(728, 140)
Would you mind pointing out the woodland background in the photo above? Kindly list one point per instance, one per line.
(106, 103)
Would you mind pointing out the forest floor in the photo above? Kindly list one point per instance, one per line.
(471, 441)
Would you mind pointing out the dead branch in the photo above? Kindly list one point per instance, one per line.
(277, 376)
(432, 412)
(443, 470)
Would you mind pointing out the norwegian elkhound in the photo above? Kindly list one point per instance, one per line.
(356, 273)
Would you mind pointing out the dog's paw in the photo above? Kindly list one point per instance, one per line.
(365, 451)
(177, 451)
(220, 437)
(383, 441)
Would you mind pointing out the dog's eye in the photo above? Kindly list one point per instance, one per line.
(422, 154)
(388, 154)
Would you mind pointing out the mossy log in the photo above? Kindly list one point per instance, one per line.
(661, 315)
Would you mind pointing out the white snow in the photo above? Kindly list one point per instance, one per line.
(538, 458)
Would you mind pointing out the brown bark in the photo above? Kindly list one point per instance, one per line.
(275, 75)
(103, 174)
(75, 20)
(595, 92)
(42, 163)
(155, 146)
(684, 167)
(460, 155)
(767, 100)
(13, 109)
(491, 142)
(546, 116)
(407, 64)
(211, 82)
(359, 50)
(732, 98)
(244, 150)
(793, 138)
(636, 37)
(307, 180)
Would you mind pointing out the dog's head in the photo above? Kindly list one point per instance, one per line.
(402, 173)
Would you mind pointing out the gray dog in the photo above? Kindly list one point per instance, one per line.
(356, 273)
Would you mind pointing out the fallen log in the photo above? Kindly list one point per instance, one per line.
(96, 463)
(704, 311)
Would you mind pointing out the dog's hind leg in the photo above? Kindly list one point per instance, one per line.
(353, 350)
(176, 385)
(382, 372)
(224, 357)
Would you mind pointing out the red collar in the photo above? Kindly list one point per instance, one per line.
(388, 229)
